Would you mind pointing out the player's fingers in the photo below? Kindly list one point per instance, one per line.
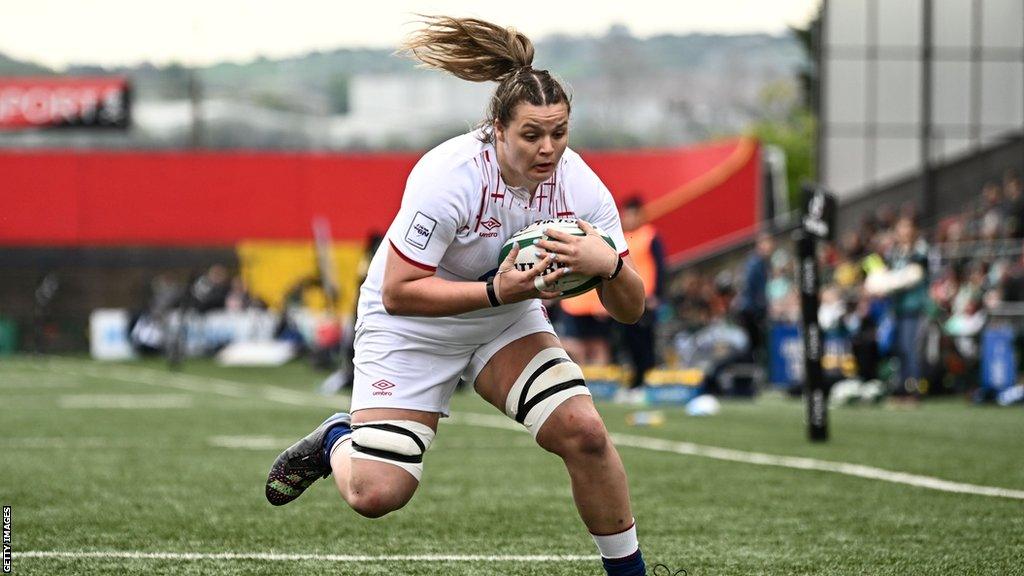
(538, 269)
(539, 284)
(510, 261)
(550, 245)
(559, 235)
(559, 250)
(544, 283)
(550, 279)
(585, 226)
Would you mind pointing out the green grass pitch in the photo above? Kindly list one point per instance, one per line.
(133, 459)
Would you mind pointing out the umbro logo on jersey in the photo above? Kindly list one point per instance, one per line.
(490, 224)
(382, 387)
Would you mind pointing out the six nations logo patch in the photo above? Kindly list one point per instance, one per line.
(420, 231)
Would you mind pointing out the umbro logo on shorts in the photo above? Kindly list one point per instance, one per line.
(491, 223)
(382, 387)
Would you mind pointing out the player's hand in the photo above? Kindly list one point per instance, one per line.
(588, 254)
(512, 285)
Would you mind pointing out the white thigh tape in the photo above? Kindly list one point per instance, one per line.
(548, 380)
(398, 442)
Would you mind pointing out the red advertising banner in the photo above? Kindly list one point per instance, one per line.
(698, 197)
(64, 102)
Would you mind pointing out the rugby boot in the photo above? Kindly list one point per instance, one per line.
(302, 464)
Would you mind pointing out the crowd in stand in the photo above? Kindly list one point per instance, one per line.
(213, 290)
(908, 303)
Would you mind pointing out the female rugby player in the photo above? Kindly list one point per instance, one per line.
(434, 308)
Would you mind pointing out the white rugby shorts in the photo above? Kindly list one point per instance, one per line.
(398, 370)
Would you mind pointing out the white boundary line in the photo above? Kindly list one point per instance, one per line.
(273, 557)
(124, 401)
(761, 459)
(236, 389)
(249, 442)
(34, 442)
(188, 382)
(799, 463)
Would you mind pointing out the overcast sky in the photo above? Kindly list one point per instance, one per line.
(113, 32)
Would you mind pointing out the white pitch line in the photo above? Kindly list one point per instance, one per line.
(125, 401)
(761, 459)
(273, 557)
(34, 442)
(800, 463)
(34, 384)
(249, 442)
(193, 383)
(714, 452)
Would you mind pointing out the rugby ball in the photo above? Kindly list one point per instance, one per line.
(570, 285)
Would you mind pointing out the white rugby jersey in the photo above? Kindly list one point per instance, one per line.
(456, 214)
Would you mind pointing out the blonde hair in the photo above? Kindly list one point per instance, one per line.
(479, 51)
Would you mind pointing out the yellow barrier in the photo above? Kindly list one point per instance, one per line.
(609, 373)
(272, 268)
(654, 376)
(674, 377)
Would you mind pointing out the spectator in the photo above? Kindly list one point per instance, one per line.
(239, 298)
(711, 348)
(585, 330)
(210, 291)
(148, 329)
(753, 298)
(970, 291)
(1013, 281)
(885, 218)
(848, 272)
(905, 282)
(782, 295)
(649, 258)
(1013, 204)
(862, 324)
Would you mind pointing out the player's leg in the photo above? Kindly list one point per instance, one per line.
(396, 404)
(370, 474)
(532, 379)
(574, 431)
(376, 454)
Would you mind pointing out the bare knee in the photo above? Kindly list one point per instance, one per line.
(575, 434)
(374, 501)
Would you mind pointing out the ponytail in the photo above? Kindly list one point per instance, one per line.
(479, 51)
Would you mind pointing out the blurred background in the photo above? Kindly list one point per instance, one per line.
(196, 181)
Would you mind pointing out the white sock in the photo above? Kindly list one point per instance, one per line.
(618, 545)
